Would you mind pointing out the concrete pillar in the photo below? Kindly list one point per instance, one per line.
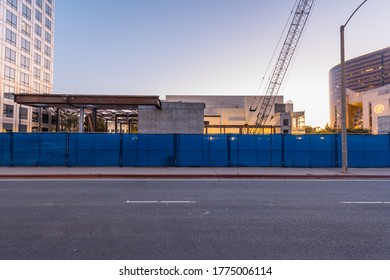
(116, 124)
(94, 120)
(40, 120)
(20, 118)
(81, 120)
(58, 122)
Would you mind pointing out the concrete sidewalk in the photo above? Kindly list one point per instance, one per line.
(191, 173)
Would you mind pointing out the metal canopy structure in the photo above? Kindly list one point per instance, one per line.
(122, 108)
(105, 102)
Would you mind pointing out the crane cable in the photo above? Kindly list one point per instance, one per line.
(293, 59)
(273, 57)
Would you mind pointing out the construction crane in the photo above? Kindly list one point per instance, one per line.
(295, 31)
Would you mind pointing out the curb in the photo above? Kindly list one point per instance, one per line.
(191, 176)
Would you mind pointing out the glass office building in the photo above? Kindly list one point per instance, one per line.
(362, 74)
(26, 53)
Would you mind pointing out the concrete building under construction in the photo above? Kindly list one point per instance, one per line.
(183, 114)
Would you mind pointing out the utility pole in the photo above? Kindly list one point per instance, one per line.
(344, 148)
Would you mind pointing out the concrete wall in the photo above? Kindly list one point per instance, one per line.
(231, 109)
(384, 125)
(380, 108)
(172, 118)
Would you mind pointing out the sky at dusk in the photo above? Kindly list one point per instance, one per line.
(207, 47)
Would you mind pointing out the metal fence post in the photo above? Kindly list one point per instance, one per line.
(283, 156)
(121, 150)
(336, 149)
(229, 155)
(11, 150)
(67, 150)
(175, 150)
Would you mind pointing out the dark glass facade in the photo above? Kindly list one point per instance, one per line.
(362, 73)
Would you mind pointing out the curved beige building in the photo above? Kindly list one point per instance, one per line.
(362, 74)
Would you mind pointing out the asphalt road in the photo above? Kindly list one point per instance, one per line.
(201, 219)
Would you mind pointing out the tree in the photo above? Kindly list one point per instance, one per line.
(69, 121)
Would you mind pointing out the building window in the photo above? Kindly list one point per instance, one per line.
(46, 90)
(24, 79)
(37, 59)
(38, 44)
(7, 127)
(23, 113)
(38, 30)
(25, 62)
(48, 10)
(25, 45)
(9, 73)
(13, 3)
(12, 19)
(47, 51)
(10, 37)
(10, 55)
(37, 73)
(285, 122)
(36, 87)
(26, 12)
(47, 64)
(48, 23)
(39, 3)
(35, 117)
(45, 118)
(46, 77)
(8, 111)
(9, 92)
(47, 37)
(38, 15)
(22, 128)
(26, 29)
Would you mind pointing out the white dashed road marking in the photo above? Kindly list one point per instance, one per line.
(160, 202)
(365, 202)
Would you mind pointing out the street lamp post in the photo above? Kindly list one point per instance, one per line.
(344, 148)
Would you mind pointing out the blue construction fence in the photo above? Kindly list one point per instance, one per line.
(179, 150)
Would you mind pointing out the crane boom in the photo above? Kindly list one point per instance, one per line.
(295, 31)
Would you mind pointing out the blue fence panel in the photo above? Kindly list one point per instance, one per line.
(276, 150)
(60, 149)
(161, 150)
(255, 150)
(377, 151)
(39, 149)
(355, 144)
(368, 151)
(309, 151)
(323, 151)
(296, 150)
(5, 148)
(129, 150)
(190, 150)
(94, 150)
(148, 150)
(243, 149)
(216, 152)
